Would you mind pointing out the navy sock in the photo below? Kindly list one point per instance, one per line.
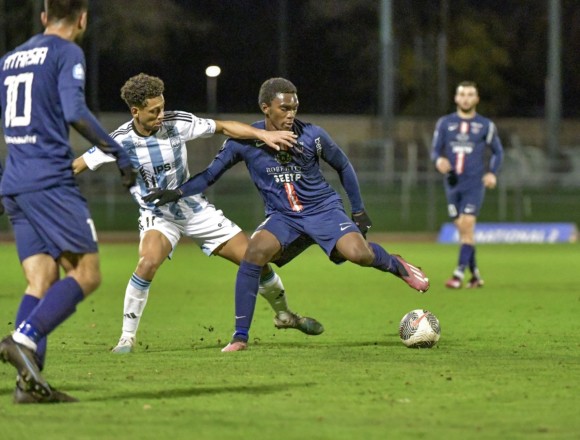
(57, 305)
(247, 284)
(472, 263)
(465, 255)
(383, 260)
(27, 305)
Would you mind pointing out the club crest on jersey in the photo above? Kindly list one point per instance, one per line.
(283, 157)
(476, 127)
(174, 138)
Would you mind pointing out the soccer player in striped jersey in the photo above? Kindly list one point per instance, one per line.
(301, 207)
(41, 94)
(460, 145)
(155, 140)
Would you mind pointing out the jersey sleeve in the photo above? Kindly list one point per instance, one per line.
(190, 126)
(337, 159)
(71, 89)
(494, 143)
(438, 144)
(71, 82)
(94, 158)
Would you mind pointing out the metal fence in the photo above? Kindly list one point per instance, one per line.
(408, 198)
(401, 189)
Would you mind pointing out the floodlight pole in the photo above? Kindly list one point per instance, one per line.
(553, 81)
(386, 79)
(212, 72)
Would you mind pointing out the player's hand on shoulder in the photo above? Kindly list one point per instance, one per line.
(161, 197)
(363, 221)
(278, 140)
(128, 176)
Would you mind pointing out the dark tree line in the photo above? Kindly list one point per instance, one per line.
(332, 51)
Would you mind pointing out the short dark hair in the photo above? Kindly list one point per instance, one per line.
(468, 84)
(271, 87)
(139, 88)
(68, 10)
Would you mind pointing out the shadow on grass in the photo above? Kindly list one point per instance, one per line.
(199, 391)
(6, 391)
(273, 345)
(175, 393)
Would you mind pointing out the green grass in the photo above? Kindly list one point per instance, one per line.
(506, 367)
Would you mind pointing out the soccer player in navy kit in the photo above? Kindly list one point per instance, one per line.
(460, 143)
(301, 207)
(155, 139)
(41, 94)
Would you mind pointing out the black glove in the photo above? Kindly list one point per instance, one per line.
(162, 196)
(363, 221)
(452, 178)
(1, 207)
(128, 176)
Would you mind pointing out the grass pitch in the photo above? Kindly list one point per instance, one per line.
(506, 367)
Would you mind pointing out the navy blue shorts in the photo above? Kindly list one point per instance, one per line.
(462, 199)
(51, 221)
(296, 234)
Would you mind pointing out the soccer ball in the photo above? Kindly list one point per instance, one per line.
(419, 329)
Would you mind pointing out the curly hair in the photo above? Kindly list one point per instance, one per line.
(139, 88)
(271, 87)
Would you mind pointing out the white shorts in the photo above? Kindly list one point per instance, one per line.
(209, 228)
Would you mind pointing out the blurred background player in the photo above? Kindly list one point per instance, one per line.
(460, 144)
(156, 139)
(41, 93)
(301, 207)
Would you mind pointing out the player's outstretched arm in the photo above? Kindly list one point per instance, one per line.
(90, 129)
(239, 130)
(197, 184)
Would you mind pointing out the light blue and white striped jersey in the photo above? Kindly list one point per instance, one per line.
(161, 160)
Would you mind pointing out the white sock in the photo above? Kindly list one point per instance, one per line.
(273, 291)
(135, 300)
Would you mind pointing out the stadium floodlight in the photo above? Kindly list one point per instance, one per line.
(212, 72)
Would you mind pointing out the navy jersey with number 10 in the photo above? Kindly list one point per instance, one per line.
(42, 92)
